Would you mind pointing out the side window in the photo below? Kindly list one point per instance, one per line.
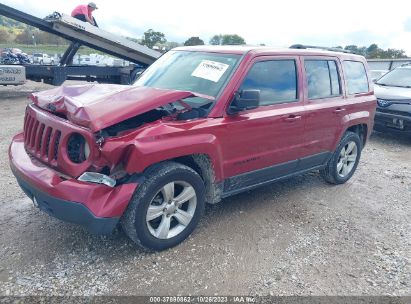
(322, 77)
(276, 80)
(356, 76)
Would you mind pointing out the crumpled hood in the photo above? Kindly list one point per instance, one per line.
(97, 106)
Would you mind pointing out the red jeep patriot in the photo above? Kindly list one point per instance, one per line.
(200, 124)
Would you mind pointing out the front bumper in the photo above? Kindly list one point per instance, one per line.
(383, 122)
(94, 206)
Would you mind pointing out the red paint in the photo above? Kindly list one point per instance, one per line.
(236, 144)
(102, 200)
(99, 106)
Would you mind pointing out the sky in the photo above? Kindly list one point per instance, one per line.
(273, 23)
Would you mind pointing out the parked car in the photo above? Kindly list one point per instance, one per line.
(376, 74)
(393, 92)
(41, 58)
(200, 124)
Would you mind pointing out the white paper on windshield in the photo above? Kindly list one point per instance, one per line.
(210, 70)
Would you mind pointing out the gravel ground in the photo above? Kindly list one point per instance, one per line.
(296, 237)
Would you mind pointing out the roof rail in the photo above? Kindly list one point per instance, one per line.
(333, 49)
(405, 64)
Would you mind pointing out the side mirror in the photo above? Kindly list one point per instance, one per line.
(245, 100)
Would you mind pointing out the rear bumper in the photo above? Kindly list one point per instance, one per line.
(383, 122)
(97, 207)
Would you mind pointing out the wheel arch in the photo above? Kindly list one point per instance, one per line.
(203, 165)
(359, 122)
(357, 126)
(361, 130)
(189, 150)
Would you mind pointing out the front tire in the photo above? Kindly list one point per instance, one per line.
(344, 161)
(166, 207)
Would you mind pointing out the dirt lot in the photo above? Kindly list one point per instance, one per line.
(296, 237)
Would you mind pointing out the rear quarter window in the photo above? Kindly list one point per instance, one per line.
(322, 78)
(356, 77)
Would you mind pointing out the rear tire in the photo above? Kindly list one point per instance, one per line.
(344, 161)
(166, 207)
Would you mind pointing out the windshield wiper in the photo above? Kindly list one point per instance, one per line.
(392, 85)
(398, 86)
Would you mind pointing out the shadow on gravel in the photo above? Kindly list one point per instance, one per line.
(278, 193)
(391, 138)
(14, 94)
(69, 239)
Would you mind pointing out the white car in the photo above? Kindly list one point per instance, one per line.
(393, 92)
(42, 58)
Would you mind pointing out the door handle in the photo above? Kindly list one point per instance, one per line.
(339, 110)
(292, 118)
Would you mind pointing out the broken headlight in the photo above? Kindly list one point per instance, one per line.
(78, 149)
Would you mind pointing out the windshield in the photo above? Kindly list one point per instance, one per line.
(197, 72)
(400, 77)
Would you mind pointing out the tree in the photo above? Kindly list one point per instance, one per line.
(194, 41)
(5, 35)
(362, 51)
(133, 39)
(372, 48)
(171, 45)
(151, 38)
(216, 40)
(393, 53)
(232, 39)
(24, 37)
(373, 51)
(352, 48)
(47, 38)
(7, 22)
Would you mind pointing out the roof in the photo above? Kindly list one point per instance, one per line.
(261, 50)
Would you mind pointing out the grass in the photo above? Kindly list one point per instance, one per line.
(48, 49)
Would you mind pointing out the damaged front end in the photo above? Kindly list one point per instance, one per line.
(49, 158)
(91, 114)
(71, 162)
(97, 107)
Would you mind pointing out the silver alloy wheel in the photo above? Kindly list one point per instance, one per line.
(347, 159)
(171, 210)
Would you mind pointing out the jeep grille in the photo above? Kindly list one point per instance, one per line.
(41, 140)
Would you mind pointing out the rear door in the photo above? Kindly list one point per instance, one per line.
(325, 108)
